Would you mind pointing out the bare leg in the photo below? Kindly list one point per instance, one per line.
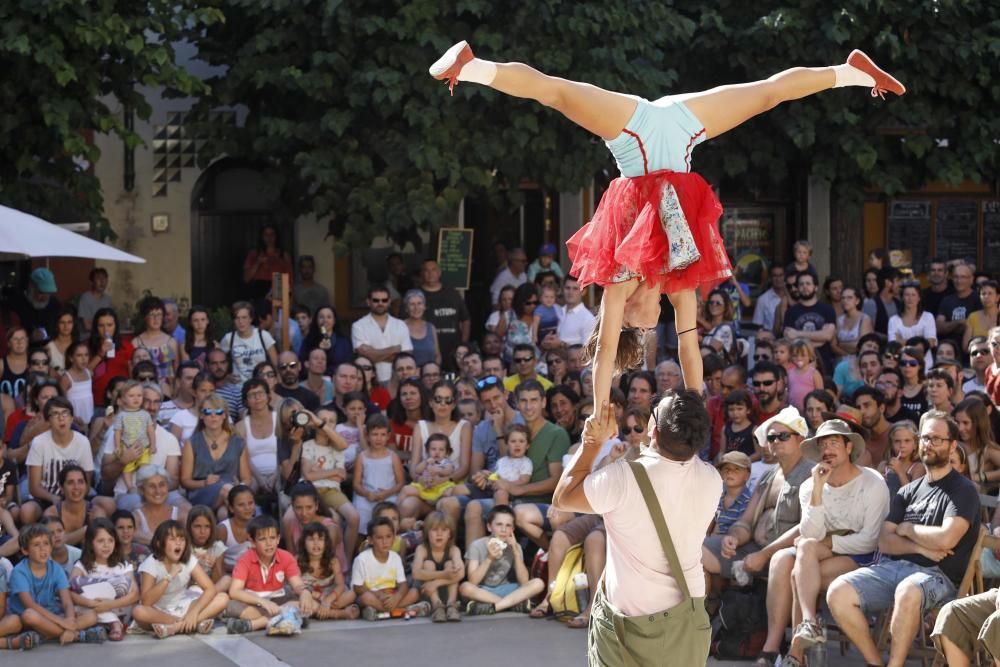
(686, 319)
(725, 107)
(906, 619)
(474, 526)
(845, 605)
(526, 592)
(596, 110)
(779, 597)
(954, 656)
(594, 555)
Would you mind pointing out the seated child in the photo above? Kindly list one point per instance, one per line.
(133, 426)
(471, 411)
(178, 596)
(379, 580)
(437, 563)
(325, 466)
(433, 473)
(306, 507)
(39, 594)
(399, 545)
(490, 562)
(735, 470)
(378, 472)
(205, 545)
(322, 574)
(132, 551)
(11, 637)
(737, 435)
(516, 467)
(352, 430)
(64, 555)
(102, 581)
(261, 580)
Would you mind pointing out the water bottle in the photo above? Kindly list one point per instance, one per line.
(582, 590)
(111, 352)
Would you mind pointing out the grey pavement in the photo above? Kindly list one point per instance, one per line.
(506, 640)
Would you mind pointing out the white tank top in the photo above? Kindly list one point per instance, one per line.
(455, 438)
(263, 451)
(234, 549)
(81, 397)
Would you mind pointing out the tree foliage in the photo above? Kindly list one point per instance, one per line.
(62, 60)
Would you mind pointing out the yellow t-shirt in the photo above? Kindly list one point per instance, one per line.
(511, 381)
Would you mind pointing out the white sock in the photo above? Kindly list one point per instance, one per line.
(479, 71)
(848, 75)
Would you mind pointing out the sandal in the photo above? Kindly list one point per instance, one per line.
(206, 626)
(26, 640)
(766, 659)
(452, 614)
(353, 612)
(579, 621)
(163, 630)
(439, 615)
(541, 611)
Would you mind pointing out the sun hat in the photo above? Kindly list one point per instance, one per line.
(810, 446)
(789, 417)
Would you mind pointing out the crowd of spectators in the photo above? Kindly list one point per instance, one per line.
(402, 466)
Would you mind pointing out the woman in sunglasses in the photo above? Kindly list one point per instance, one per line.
(377, 394)
(911, 365)
(523, 327)
(215, 459)
(444, 406)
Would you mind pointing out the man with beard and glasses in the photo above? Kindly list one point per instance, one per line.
(769, 381)
(790, 298)
(843, 507)
(227, 385)
(812, 320)
(380, 336)
(926, 542)
(289, 386)
(889, 381)
(871, 403)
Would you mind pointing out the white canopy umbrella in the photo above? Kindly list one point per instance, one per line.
(25, 235)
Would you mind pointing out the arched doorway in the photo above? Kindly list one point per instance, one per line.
(229, 204)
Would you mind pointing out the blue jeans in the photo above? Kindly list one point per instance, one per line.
(876, 585)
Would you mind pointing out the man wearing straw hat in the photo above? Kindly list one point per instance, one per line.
(843, 507)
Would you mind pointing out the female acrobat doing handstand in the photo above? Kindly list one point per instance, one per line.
(657, 225)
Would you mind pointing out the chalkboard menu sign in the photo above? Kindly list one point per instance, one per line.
(991, 236)
(910, 229)
(455, 256)
(957, 229)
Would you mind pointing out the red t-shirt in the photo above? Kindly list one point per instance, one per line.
(402, 435)
(109, 368)
(381, 397)
(266, 581)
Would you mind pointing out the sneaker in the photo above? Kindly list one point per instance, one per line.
(884, 82)
(369, 613)
(452, 614)
(451, 63)
(481, 609)
(522, 607)
(94, 635)
(238, 626)
(790, 661)
(419, 609)
(439, 615)
(809, 634)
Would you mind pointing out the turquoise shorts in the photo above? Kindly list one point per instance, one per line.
(659, 136)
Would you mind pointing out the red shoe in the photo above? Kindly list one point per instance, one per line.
(451, 63)
(884, 82)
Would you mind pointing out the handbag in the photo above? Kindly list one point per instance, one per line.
(680, 635)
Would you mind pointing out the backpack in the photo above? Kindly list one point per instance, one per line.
(562, 597)
(743, 629)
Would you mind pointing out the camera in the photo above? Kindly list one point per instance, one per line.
(301, 418)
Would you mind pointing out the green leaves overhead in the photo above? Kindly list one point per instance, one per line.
(62, 61)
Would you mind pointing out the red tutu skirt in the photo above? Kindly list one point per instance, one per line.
(630, 234)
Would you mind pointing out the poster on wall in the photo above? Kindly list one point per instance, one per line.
(750, 238)
(909, 230)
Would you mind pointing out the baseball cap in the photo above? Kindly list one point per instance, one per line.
(547, 249)
(738, 459)
(44, 280)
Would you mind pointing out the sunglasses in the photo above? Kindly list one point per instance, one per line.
(762, 357)
(379, 300)
(290, 364)
(523, 360)
(365, 367)
(531, 303)
(909, 363)
(637, 429)
(763, 383)
(213, 411)
(894, 357)
(145, 378)
(486, 382)
(774, 437)
(978, 353)
(444, 400)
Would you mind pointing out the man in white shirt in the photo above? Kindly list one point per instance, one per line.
(380, 336)
(514, 274)
(576, 322)
(638, 580)
(167, 455)
(767, 303)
